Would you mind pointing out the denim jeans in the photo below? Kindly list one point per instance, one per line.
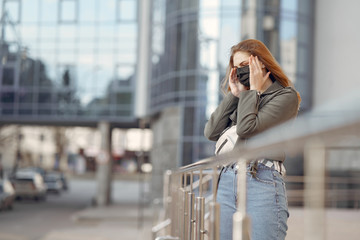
(266, 203)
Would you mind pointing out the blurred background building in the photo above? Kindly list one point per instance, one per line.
(190, 48)
(74, 63)
(68, 62)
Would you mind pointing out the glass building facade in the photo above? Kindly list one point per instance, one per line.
(286, 27)
(68, 61)
(73, 61)
(191, 42)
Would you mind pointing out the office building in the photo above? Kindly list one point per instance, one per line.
(68, 62)
(190, 49)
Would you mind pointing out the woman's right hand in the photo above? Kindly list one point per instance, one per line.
(235, 85)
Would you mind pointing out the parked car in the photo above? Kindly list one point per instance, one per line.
(53, 182)
(7, 194)
(39, 170)
(29, 184)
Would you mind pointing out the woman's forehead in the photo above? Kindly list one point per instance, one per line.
(240, 57)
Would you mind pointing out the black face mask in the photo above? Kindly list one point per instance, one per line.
(243, 75)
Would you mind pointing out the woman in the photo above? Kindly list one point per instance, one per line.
(269, 100)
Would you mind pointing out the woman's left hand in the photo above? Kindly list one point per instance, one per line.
(257, 76)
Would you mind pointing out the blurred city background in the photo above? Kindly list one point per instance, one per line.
(99, 97)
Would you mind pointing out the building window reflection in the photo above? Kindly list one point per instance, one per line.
(124, 73)
(8, 76)
(13, 9)
(126, 10)
(68, 11)
(64, 61)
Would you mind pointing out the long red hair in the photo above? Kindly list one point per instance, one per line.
(257, 48)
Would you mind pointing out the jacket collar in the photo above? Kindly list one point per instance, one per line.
(273, 88)
(276, 86)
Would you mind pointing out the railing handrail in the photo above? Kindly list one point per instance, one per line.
(319, 125)
(309, 133)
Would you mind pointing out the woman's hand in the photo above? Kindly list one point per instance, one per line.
(235, 85)
(257, 75)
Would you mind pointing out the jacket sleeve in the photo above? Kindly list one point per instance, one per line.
(251, 121)
(219, 119)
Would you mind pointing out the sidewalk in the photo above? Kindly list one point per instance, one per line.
(124, 220)
(121, 221)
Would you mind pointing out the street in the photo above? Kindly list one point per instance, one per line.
(31, 220)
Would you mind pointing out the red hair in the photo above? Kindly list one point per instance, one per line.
(257, 48)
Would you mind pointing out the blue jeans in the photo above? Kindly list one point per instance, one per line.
(266, 203)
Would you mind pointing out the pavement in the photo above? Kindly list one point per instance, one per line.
(120, 221)
(127, 220)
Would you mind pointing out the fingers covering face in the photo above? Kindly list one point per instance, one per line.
(255, 63)
(232, 75)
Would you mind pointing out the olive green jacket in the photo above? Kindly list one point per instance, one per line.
(253, 114)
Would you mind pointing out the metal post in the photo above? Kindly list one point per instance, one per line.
(214, 183)
(241, 186)
(214, 233)
(200, 212)
(241, 222)
(181, 214)
(166, 192)
(191, 210)
(186, 220)
(191, 181)
(174, 204)
(314, 190)
(200, 183)
(214, 221)
(190, 216)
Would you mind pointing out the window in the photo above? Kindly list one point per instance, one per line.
(8, 76)
(87, 12)
(8, 97)
(13, 8)
(68, 11)
(31, 13)
(124, 73)
(26, 96)
(126, 10)
(50, 11)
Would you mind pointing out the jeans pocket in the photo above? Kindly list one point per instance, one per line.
(265, 176)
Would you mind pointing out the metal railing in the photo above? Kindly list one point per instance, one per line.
(189, 201)
(339, 191)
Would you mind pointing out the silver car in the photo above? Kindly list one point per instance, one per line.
(53, 182)
(29, 184)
